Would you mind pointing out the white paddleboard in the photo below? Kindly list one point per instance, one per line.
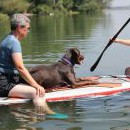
(109, 86)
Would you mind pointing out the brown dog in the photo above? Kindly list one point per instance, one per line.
(61, 73)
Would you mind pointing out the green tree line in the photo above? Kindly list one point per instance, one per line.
(51, 6)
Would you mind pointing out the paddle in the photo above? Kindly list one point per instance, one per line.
(109, 43)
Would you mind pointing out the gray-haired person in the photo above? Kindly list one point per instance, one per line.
(12, 69)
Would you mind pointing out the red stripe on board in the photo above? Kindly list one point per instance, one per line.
(106, 93)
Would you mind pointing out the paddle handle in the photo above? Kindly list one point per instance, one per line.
(109, 43)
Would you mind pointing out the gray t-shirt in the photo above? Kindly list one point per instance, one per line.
(8, 46)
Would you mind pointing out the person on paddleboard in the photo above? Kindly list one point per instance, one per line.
(127, 43)
(15, 80)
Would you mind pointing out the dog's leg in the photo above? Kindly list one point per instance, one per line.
(84, 83)
(87, 78)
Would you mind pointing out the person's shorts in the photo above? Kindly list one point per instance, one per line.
(7, 82)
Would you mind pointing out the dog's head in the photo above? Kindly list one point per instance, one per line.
(73, 56)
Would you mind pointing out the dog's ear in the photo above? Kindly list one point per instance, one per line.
(74, 52)
(76, 56)
(68, 53)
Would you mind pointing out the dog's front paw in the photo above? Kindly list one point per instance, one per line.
(88, 78)
(94, 82)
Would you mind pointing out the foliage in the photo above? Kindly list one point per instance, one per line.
(12, 6)
(68, 4)
(91, 6)
(50, 6)
(43, 9)
(3, 17)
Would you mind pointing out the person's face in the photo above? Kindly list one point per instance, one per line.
(23, 31)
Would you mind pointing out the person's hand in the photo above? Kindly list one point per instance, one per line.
(116, 40)
(40, 91)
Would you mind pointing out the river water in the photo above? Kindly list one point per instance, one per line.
(46, 43)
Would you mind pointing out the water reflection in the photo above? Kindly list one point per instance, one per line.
(9, 120)
(94, 114)
(18, 116)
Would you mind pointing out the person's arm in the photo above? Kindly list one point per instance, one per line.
(18, 61)
(122, 41)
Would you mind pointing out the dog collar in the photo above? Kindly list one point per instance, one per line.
(67, 61)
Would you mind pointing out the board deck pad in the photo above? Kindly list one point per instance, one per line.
(108, 86)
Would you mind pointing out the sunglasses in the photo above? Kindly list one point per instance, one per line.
(26, 28)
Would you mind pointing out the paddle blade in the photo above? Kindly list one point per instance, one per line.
(99, 58)
(96, 63)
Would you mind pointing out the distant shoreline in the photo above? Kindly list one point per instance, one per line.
(119, 7)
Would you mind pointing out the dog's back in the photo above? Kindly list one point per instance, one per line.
(52, 75)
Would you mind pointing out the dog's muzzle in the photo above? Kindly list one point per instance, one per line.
(80, 59)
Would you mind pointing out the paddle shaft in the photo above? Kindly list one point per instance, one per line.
(109, 43)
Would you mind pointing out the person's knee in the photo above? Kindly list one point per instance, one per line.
(33, 95)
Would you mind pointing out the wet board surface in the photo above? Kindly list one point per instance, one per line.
(108, 85)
